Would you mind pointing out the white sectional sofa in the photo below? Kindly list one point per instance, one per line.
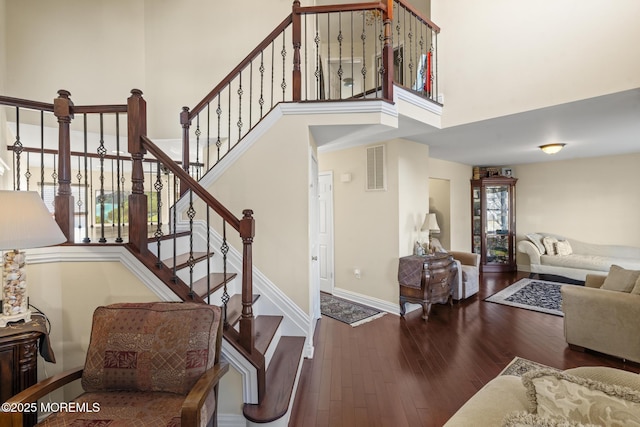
(582, 259)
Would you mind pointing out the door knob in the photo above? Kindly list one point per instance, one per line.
(314, 258)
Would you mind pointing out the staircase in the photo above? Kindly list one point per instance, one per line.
(282, 355)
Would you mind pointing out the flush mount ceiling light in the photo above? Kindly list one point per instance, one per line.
(552, 148)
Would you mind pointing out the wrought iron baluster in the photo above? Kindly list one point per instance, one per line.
(329, 95)
(122, 197)
(191, 213)
(208, 136)
(113, 196)
(410, 37)
(272, 71)
(150, 213)
(174, 276)
(250, 93)
(158, 234)
(118, 177)
(352, 53)
(86, 184)
(198, 133)
(423, 64)
(218, 141)
(42, 154)
(17, 151)
(240, 93)
(283, 52)
(363, 70)
(224, 249)
(102, 151)
(229, 123)
(340, 38)
(79, 202)
(261, 69)
(306, 60)
(318, 73)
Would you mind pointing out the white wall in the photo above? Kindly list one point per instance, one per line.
(593, 200)
(374, 228)
(501, 57)
(175, 52)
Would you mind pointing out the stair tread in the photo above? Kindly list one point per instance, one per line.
(280, 379)
(217, 280)
(182, 260)
(265, 329)
(153, 239)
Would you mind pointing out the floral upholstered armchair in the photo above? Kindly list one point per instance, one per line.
(467, 280)
(148, 364)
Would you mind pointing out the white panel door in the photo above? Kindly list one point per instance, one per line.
(325, 232)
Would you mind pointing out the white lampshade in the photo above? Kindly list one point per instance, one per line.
(25, 222)
(430, 223)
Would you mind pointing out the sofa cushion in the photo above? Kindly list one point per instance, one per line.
(526, 419)
(588, 262)
(620, 279)
(549, 244)
(558, 394)
(536, 239)
(121, 409)
(160, 347)
(563, 248)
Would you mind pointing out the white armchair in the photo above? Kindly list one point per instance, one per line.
(467, 280)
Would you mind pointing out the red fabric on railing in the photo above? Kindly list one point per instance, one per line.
(427, 80)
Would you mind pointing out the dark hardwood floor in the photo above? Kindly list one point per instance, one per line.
(396, 372)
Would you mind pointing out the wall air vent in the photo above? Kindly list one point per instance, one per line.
(376, 168)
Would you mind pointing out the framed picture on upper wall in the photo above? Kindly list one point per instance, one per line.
(507, 172)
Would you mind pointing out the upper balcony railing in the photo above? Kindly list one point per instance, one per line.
(343, 52)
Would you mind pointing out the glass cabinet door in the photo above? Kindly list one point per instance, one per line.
(493, 222)
(497, 221)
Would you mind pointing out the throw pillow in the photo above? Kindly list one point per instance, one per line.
(549, 244)
(557, 394)
(536, 239)
(526, 419)
(620, 279)
(563, 247)
(636, 287)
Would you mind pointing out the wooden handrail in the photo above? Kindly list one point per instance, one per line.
(76, 109)
(227, 80)
(350, 7)
(24, 103)
(191, 183)
(419, 15)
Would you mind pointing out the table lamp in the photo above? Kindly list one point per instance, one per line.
(430, 224)
(25, 223)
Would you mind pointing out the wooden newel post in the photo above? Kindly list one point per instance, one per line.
(297, 42)
(387, 53)
(186, 125)
(247, 231)
(64, 206)
(137, 127)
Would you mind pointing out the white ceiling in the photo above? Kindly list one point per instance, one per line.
(606, 125)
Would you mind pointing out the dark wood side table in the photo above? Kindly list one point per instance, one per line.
(19, 345)
(426, 280)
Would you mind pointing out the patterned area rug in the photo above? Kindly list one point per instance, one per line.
(346, 311)
(537, 295)
(519, 366)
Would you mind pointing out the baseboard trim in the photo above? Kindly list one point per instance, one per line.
(367, 300)
(231, 420)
